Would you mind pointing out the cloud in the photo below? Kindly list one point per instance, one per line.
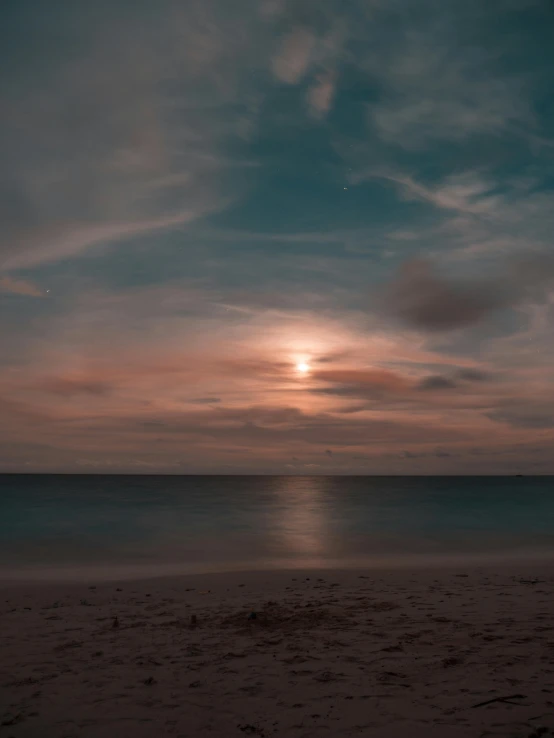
(386, 388)
(437, 86)
(255, 429)
(73, 238)
(20, 287)
(360, 383)
(270, 8)
(142, 146)
(69, 387)
(249, 430)
(421, 298)
(292, 60)
(473, 375)
(426, 300)
(467, 193)
(478, 213)
(531, 414)
(320, 95)
(441, 382)
(437, 382)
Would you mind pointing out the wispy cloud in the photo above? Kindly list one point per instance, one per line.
(437, 86)
(71, 239)
(20, 287)
(293, 58)
(131, 154)
(320, 94)
(467, 193)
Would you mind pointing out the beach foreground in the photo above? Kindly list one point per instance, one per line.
(290, 653)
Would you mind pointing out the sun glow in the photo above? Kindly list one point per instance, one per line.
(302, 367)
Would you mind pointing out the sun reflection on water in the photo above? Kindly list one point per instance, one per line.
(302, 522)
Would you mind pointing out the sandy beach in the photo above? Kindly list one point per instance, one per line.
(387, 654)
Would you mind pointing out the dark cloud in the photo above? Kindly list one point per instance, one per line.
(205, 400)
(410, 455)
(370, 383)
(66, 387)
(473, 375)
(329, 358)
(422, 298)
(382, 385)
(438, 453)
(440, 382)
(531, 415)
(351, 409)
(436, 382)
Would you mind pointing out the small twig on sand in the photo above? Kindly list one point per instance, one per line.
(503, 699)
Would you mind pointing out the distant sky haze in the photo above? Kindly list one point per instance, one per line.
(277, 236)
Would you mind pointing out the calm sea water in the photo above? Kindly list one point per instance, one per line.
(117, 526)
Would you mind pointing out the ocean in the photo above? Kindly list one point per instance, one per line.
(83, 527)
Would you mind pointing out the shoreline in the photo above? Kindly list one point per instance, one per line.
(260, 581)
(104, 572)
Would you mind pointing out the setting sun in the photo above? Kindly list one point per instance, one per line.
(303, 368)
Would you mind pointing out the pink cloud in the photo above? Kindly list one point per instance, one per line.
(49, 244)
(320, 95)
(293, 58)
(20, 287)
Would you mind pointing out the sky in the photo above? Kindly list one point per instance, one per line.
(277, 236)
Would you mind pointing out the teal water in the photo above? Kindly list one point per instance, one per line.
(143, 525)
